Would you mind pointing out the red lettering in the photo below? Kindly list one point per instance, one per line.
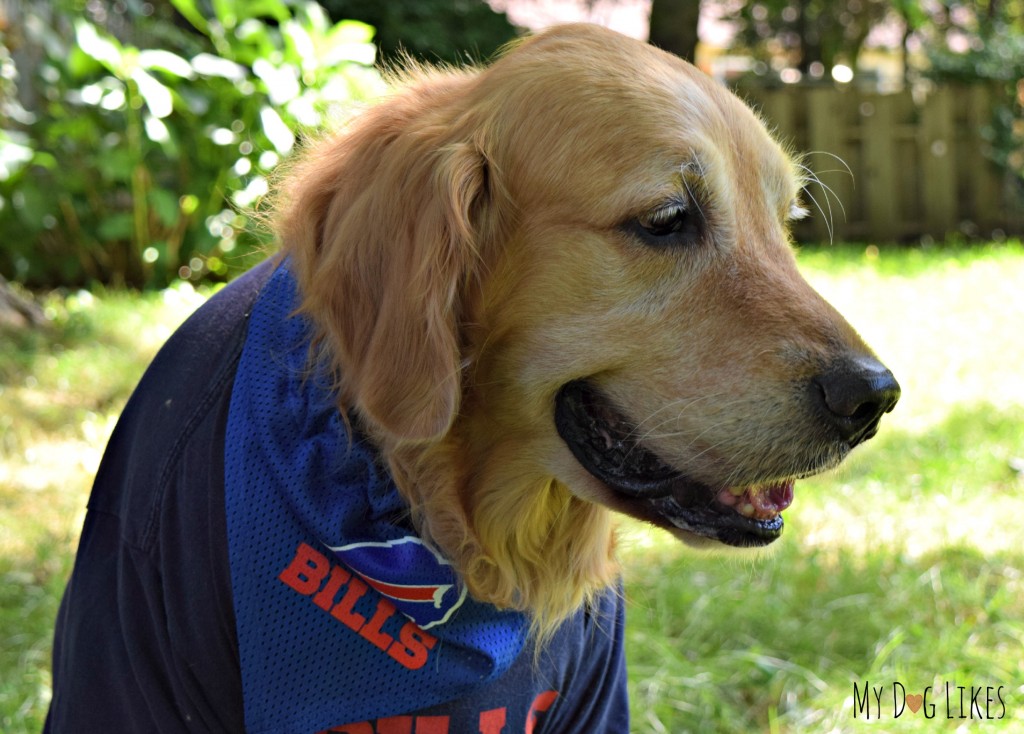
(325, 599)
(493, 721)
(412, 646)
(395, 725)
(432, 724)
(363, 727)
(540, 704)
(371, 630)
(306, 570)
(343, 609)
(306, 573)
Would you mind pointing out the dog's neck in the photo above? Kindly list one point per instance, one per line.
(518, 541)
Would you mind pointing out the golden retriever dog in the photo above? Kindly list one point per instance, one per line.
(545, 292)
(562, 286)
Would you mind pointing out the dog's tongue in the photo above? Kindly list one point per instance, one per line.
(761, 503)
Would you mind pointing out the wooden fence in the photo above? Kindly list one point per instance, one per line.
(899, 169)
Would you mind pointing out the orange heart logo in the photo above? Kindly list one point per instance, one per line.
(914, 701)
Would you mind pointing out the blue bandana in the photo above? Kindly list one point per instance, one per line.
(343, 613)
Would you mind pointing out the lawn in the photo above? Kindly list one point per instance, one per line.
(903, 567)
(901, 571)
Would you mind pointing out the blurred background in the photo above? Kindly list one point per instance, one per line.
(138, 134)
(137, 138)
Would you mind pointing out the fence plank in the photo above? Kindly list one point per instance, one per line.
(936, 143)
(985, 185)
(824, 142)
(878, 147)
(917, 169)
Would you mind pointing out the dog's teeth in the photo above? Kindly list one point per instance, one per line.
(756, 503)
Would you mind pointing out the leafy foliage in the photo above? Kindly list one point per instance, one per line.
(143, 165)
(808, 31)
(433, 30)
(980, 42)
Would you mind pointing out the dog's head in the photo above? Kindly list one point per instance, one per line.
(563, 284)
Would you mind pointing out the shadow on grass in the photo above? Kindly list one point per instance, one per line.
(976, 446)
(30, 592)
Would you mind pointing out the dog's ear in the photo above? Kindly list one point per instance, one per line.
(378, 221)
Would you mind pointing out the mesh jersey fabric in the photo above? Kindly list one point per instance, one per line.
(323, 565)
(146, 637)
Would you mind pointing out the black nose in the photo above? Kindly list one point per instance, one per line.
(854, 394)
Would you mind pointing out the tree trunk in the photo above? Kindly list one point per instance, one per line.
(674, 26)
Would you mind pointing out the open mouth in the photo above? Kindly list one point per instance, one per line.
(609, 447)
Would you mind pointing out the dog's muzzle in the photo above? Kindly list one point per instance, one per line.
(849, 400)
(607, 445)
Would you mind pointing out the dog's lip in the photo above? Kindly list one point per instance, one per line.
(605, 444)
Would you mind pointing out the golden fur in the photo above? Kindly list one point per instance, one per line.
(460, 247)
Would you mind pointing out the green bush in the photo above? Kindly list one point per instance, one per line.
(143, 165)
(451, 31)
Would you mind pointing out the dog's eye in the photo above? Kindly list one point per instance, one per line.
(663, 222)
(668, 225)
(797, 211)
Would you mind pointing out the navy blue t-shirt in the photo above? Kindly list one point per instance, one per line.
(148, 639)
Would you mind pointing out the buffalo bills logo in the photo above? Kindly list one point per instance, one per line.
(419, 581)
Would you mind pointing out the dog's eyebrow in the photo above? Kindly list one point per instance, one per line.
(705, 178)
(701, 167)
(694, 168)
(694, 164)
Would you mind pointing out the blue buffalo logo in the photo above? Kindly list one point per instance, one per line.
(417, 579)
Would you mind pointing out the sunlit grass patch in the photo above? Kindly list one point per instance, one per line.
(57, 380)
(716, 645)
(949, 323)
(62, 389)
(902, 566)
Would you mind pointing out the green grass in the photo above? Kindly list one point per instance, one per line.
(906, 565)
(61, 390)
(715, 646)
